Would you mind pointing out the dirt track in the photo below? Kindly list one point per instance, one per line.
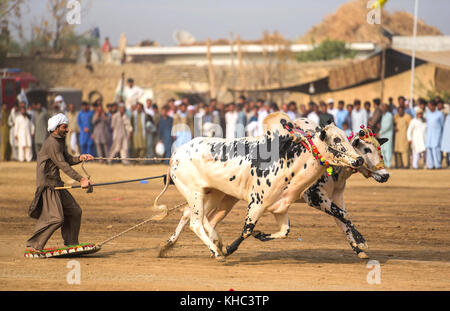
(405, 221)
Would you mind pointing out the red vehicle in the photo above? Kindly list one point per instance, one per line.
(12, 81)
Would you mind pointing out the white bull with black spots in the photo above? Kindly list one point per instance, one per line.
(214, 173)
(326, 194)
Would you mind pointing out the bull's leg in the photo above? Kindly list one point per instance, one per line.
(254, 212)
(164, 247)
(319, 200)
(216, 215)
(282, 221)
(355, 239)
(196, 204)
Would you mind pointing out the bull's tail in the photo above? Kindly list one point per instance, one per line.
(162, 209)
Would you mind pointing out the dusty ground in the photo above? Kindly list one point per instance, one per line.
(405, 221)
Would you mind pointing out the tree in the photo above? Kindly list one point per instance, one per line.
(326, 50)
(8, 9)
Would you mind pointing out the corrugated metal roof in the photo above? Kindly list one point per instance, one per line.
(439, 58)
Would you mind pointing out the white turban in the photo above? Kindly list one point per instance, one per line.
(59, 98)
(56, 121)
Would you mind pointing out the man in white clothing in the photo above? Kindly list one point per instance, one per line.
(359, 116)
(23, 135)
(132, 94)
(416, 135)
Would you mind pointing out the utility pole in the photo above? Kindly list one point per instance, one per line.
(212, 83)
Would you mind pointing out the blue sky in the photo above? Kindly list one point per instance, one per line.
(157, 19)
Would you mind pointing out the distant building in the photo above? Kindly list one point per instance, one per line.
(221, 54)
(423, 43)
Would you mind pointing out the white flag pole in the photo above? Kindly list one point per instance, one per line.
(413, 59)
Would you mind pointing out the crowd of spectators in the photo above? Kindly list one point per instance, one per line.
(130, 128)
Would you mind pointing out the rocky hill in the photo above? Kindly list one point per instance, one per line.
(349, 24)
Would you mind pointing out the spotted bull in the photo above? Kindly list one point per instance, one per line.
(214, 173)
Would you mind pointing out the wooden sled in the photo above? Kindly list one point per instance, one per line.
(64, 252)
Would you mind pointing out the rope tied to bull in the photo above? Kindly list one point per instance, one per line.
(312, 147)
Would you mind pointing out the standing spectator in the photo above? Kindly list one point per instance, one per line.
(101, 135)
(241, 121)
(181, 126)
(62, 107)
(73, 131)
(121, 126)
(132, 94)
(151, 130)
(402, 103)
(4, 128)
(435, 123)
(84, 121)
(165, 132)
(252, 127)
(106, 49)
(331, 109)
(139, 121)
(149, 107)
(292, 110)
(23, 134)
(387, 131)
(13, 114)
(40, 125)
(391, 106)
(401, 148)
(314, 113)
(231, 118)
(262, 114)
(346, 129)
(325, 118)
(367, 109)
(222, 121)
(359, 116)
(348, 118)
(416, 135)
(375, 119)
(341, 115)
(302, 111)
(446, 136)
(88, 58)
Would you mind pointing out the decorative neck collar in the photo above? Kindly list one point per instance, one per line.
(316, 154)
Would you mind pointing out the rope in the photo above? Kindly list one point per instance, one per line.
(136, 226)
(131, 159)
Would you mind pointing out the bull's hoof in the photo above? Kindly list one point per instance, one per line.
(363, 255)
(363, 245)
(261, 236)
(163, 249)
(220, 259)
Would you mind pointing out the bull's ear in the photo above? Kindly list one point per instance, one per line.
(355, 143)
(381, 141)
(323, 135)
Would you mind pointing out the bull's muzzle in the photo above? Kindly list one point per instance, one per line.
(358, 162)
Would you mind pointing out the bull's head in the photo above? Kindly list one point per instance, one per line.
(332, 144)
(369, 147)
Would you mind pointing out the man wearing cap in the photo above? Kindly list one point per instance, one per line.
(59, 100)
(56, 208)
(331, 109)
(417, 131)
